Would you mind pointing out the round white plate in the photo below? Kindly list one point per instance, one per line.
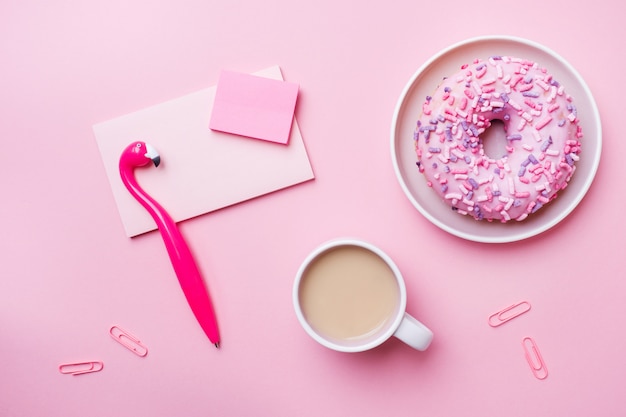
(409, 108)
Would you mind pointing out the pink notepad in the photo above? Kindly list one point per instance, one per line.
(201, 170)
(253, 106)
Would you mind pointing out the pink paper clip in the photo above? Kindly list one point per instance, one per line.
(129, 341)
(509, 313)
(534, 359)
(80, 368)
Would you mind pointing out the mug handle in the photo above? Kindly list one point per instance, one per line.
(414, 333)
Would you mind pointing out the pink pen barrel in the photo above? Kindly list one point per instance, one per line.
(189, 277)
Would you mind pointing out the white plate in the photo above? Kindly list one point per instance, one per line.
(424, 82)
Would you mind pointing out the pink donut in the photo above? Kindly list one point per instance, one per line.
(542, 139)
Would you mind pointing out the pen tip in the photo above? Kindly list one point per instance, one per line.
(217, 345)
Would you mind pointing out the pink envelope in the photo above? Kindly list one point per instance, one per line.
(201, 169)
(253, 106)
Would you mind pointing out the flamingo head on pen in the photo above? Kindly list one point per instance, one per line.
(139, 154)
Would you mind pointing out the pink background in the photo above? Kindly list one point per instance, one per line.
(68, 272)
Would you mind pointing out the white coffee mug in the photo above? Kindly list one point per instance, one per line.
(350, 296)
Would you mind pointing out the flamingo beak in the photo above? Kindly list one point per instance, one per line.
(153, 155)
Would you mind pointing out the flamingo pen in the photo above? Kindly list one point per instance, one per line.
(140, 154)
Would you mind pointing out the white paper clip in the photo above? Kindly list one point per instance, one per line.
(80, 368)
(534, 359)
(129, 341)
(509, 313)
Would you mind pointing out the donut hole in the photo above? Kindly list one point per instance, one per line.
(494, 140)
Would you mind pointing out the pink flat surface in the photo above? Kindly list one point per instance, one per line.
(68, 272)
(253, 106)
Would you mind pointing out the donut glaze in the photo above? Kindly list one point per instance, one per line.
(541, 130)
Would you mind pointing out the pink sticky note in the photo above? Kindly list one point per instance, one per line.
(253, 106)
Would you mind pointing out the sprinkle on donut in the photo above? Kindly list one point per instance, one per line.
(542, 135)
